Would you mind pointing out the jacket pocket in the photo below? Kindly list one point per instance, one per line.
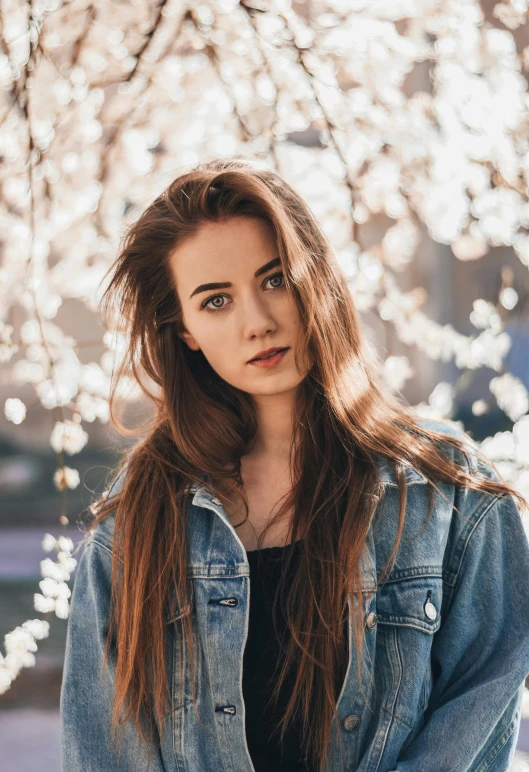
(408, 612)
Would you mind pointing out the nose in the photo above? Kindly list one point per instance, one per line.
(257, 319)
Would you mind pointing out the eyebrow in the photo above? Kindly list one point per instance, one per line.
(222, 285)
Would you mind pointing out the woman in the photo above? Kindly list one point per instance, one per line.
(291, 570)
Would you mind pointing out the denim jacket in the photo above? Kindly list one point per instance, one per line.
(447, 640)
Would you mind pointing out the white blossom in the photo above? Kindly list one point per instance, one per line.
(19, 640)
(55, 571)
(7, 347)
(65, 543)
(49, 542)
(66, 561)
(43, 603)
(49, 587)
(68, 436)
(485, 314)
(65, 477)
(511, 395)
(397, 371)
(14, 410)
(479, 407)
(509, 16)
(61, 608)
(442, 398)
(5, 679)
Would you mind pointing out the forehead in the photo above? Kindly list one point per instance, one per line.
(235, 242)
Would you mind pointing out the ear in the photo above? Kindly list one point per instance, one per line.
(190, 340)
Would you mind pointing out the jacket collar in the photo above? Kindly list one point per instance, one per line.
(387, 473)
(203, 497)
(387, 478)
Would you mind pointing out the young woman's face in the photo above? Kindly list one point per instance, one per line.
(249, 314)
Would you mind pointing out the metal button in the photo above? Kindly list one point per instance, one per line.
(371, 620)
(350, 723)
(228, 602)
(231, 709)
(430, 610)
(223, 601)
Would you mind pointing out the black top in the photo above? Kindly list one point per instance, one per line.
(262, 662)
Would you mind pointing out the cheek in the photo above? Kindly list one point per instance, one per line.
(221, 352)
(292, 314)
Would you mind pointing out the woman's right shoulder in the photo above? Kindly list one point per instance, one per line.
(103, 533)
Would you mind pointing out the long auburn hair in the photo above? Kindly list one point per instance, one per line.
(344, 416)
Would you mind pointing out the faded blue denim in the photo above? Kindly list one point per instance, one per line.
(447, 637)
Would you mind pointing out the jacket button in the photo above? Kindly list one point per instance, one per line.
(216, 501)
(371, 619)
(430, 610)
(350, 723)
(230, 709)
(223, 601)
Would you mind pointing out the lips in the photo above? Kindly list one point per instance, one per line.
(268, 352)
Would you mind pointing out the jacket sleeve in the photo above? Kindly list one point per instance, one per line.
(87, 692)
(480, 654)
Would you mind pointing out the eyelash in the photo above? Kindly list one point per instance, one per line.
(213, 310)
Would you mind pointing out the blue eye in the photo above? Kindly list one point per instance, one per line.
(216, 309)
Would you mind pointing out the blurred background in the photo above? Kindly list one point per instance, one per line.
(405, 125)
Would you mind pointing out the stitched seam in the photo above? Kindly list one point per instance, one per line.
(391, 714)
(105, 547)
(217, 572)
(416, 572)
(412, 622)
(207, 658)
(463, 553)
(499, 745)
(401, 667)
(396, 718)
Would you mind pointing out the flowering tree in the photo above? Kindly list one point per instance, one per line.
(103, 103)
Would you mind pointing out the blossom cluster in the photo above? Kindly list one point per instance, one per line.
(55, 591)
(402, 124)
(21, 643)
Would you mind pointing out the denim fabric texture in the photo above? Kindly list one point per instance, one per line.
(447, 638)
